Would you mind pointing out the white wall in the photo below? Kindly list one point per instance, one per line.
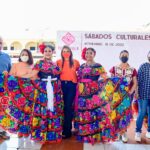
(138, 45)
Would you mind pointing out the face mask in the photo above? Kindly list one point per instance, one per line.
(66, 55)
(124, 59)
(24, 58)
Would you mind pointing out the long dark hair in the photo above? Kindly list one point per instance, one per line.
(30, 61)
(70, 58)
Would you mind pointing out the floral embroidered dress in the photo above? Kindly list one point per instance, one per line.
(16, 102)
(92, 119)
(47, 124)
(128, 73)
(124, 113)
(24, 104)
(102, 107)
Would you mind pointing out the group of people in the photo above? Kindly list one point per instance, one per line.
(65, 92)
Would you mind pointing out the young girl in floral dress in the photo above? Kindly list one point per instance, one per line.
(48, 110)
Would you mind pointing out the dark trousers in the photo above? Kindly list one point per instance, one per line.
(69, 92)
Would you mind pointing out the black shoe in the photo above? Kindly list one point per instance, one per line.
(66, 136)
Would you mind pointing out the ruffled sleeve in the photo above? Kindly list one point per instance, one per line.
(134, 73)
(112, 71)
(101, 70)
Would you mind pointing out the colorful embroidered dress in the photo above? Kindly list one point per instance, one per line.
(32, 116)
(47, 125)
(128, 74)
(101, 105)
(92, 116)
(16, 102)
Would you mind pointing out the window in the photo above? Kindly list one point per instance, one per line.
(5, 48)
(32, 48)
(12, 48)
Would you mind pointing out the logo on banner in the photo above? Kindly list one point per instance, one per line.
(68, 38)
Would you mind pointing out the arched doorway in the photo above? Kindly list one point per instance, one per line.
(5, 47)
(31, 46)
(16, 46)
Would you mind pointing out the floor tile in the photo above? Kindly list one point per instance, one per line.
(93, 147)
(72, 144)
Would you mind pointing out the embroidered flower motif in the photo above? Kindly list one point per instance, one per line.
(27, 109)
(24, 128)
(45, 136)
(113, 114)
(119, 71)
(46, 66)
(123, 124)
(128, 71)
(96, 100)
(38, 133)
(87, 116)
(94, 85)
(103, 95)
(5, 122)
(127, 88)
(86, 70)
(81, 103)
(1, 90)
(28, 89)
(109, 88)
(35, 122)
(51, 135)
(101, 70)
(116, 97)
(21, 101)
(17, 114)
(12, 84)
(81, 87)
(4, 100)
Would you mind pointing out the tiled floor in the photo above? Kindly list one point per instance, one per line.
(19, 144)
(117, 146)
(26, 144)
(70, 144)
